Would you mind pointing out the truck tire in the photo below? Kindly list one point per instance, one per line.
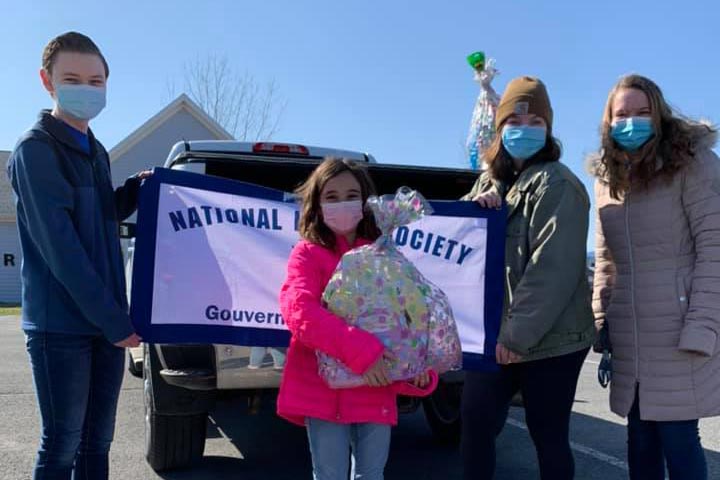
(174, 442)
(171, 441)
(442, 411)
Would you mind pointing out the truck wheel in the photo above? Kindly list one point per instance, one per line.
(442, 411)
(171, 441)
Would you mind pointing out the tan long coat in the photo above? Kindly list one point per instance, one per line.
(657, 285)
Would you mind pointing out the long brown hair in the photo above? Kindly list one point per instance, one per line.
(500, 164)
(312, 227)
(666, 153)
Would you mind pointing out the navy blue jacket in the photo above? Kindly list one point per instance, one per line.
(67, 213)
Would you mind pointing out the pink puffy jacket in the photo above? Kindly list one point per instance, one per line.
(302, 392)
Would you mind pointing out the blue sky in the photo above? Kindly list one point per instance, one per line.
(387, 77)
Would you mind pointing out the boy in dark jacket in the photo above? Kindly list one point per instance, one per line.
(75, 312)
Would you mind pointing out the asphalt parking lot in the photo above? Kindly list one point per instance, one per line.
(261, 446)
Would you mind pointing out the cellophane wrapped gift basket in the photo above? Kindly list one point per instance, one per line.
(376, 288)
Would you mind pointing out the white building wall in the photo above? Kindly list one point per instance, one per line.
(10, 256)
(10, 260)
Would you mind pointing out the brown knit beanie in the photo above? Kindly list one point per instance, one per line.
(524, 95)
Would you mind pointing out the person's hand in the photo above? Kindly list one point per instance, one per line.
(378, 375)
(504, 356)
(130, 342)
(144, 174)
(488, 200)
(605, 369)
(422, 380)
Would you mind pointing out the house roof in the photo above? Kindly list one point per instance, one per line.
(183, 102)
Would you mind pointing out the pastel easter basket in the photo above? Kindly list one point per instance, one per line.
(376, 288)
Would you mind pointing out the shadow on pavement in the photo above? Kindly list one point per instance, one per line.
(271, 448)
(267, 446)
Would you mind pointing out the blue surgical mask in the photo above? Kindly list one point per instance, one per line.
(522, 142)
(83, 102)
(632, 133)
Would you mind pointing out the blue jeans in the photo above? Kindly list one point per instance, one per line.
(652, 444)
(331, 445)
(77, 382)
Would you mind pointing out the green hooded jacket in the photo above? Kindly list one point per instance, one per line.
(547, 309)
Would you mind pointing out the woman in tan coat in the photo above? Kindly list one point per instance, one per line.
(657, 276)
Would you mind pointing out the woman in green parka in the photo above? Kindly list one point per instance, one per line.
(547, 326)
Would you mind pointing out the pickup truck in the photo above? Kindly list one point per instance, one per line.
(182, 381)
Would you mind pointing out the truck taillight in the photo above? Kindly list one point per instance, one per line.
(264, 147)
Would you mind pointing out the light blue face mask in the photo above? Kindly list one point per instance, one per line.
(83, 102)
(632, 133)
(522, 142)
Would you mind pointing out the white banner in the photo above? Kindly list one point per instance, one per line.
(220, 259)
(451, 253)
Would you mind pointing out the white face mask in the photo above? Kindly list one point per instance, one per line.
(342, 217)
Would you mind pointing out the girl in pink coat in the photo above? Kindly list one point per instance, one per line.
(338, 421)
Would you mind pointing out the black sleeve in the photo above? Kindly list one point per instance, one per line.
(126, 198)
